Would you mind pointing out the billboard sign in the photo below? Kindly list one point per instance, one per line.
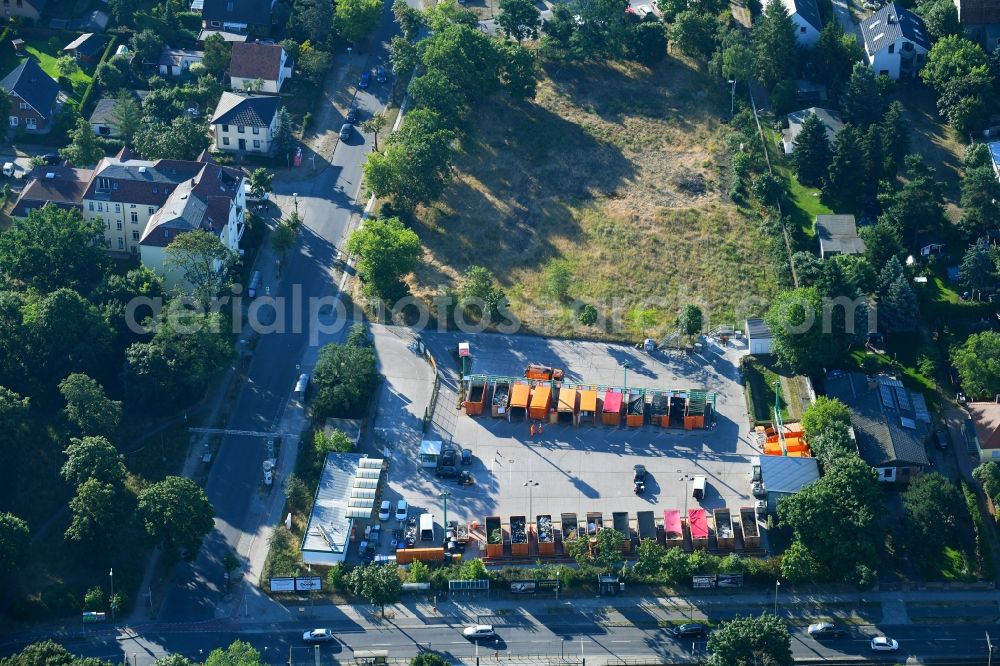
(703, 582)
(730, 580)
(310, 583)
(282, 584)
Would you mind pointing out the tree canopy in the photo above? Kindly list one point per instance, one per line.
(344, 380)
(14, 542)
(202, 260)
(88, 407)
(387, 251)
(519, 19)
(747, 641)
(356, 19)
(380, 584)
(978, 363)
(176, 513)
(51, 248)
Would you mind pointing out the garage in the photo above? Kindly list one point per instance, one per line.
(758, 337)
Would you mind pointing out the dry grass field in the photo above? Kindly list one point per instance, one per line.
(614, 171)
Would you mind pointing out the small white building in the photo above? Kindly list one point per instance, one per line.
(896, 42)
(174, 62)
(838, 234)
(808, 23)
(831, 119)
(784, 476)
(758, 337)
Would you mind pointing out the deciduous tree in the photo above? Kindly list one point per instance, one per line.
(88, 407)
(356, 19)
(378, 583)
(387, 251)
(176, 513)
(344, 380)
(978, 363)
(93, 458)
(693, 33)
(519, 19)
(96, 512)
(15, 541)
(51, 248)
(745, 641)
(217, 55)
(203, 261)
(239, 653)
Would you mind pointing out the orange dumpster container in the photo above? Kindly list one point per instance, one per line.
(541, 402)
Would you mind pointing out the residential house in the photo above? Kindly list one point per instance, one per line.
(808, 22)
(985, 417)
(29, 9)
(838, 234)
(759, 337)
(60, 186)
(237, 15)
(256, 63)
(896, 41)
(891, 424)
(245, 123)
(143, 204)
(174, 62)
(981, 21)
(34, 97)
(86, 48)
(831, 119)
(784, 476)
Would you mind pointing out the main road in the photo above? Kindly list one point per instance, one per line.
(328, 203)
(553, 636)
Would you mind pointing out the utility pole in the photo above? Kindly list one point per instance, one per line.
(625, 381)
(777, 584)
(111, 573)
(732, 98)
(989, 647)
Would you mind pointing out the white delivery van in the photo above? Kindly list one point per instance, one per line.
(10, 170)
(698, 487)
(426, 527)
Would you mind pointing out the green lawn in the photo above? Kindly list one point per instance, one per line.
(805, 200)
(46, 56)
(760, 377)
(940, 300)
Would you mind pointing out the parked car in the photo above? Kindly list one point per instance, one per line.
(466, 479)
(941, 438)
(52, 159)
(345, 131)
(402, 510)
(466, 456)
(318, 636)
(447, 471)
(385, 510)
(639, 479)
(479, 631)
(366, 78)
(352, 114)
(380, 74)
(826, 630)
(884, 644)
(690, 630)
(757, 490)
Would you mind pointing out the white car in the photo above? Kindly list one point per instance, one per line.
(385, 511)
(479, 631)
(642, 10)
(318, 636)
(884, 644)
(402, 510)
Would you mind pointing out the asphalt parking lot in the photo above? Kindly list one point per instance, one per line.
(566, 468)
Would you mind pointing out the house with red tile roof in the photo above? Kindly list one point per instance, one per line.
(258, 67)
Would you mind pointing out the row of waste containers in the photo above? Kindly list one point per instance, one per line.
(698, 527)
(554, 402)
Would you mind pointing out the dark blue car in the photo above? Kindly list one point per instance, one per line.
(365, 79)
(380, 74)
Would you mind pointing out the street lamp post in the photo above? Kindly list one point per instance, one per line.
(295, 200)
(777, 584)
(111, 574)
(625, 366)
(444, 499)
(530, 485)
(732, 98)
(685, 478)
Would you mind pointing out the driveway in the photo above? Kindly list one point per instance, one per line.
(842, 10)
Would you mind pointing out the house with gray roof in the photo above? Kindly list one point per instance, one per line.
(831, 120)
(245, 123)
(838, 234)
(34, 97)
(805, 15)
(896, 41)
(891, 424)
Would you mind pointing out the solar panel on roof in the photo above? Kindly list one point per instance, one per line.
(903, 396)
(908, 423)
(886, 393)
(920, 408)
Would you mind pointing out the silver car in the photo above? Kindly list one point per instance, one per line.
(345, 131)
